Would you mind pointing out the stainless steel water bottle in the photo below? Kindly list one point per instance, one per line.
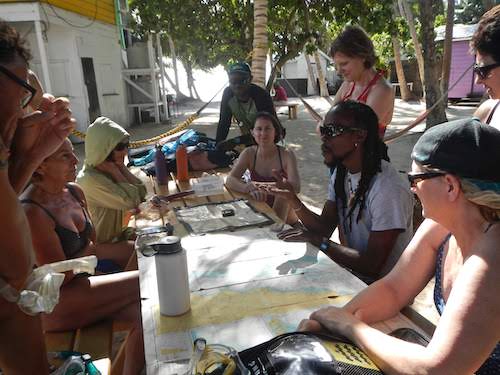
(172, 276)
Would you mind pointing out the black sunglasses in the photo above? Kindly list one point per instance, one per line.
(334, 130)
(484, 70)
(416, 177)
(121, 146)
(31, 90)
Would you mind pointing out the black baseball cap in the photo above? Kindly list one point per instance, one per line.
(466, 148)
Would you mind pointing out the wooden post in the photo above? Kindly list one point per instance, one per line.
(163, 90)
(154, 81)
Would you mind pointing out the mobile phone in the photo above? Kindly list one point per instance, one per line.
(227, 212)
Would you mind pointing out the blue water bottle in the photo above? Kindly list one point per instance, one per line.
(160, 167)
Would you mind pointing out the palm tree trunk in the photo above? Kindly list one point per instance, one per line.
(260, 43)
(310, 71)
(408, 14)
(174, 63)
(432, 68)
(448, 42)
(323, 90)
(403, 87)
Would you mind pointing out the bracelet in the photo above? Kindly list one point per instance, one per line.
(325, 244)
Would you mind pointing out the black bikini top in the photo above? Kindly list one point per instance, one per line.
(71, 242)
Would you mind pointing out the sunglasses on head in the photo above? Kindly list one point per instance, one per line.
(31, 91)
(413, 178)
(334, 130)
(121, 146)
(484, 70)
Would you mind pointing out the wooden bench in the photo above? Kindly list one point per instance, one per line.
(292, 108)
(96, 340)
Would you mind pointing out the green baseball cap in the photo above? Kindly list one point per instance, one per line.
(240, 67)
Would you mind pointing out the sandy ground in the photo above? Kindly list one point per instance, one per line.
(302, 139)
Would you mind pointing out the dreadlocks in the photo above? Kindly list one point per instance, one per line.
(361, 116)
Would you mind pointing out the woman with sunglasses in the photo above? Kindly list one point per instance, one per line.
(24, 143)
(261, 160)
(354, 57)
(61, 229)
(457, 244)
(485, 44)
(112, 191)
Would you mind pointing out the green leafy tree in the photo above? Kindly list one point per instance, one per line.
(205, 33)
(469, 11)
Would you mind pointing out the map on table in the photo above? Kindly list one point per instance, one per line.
(208, 217)
(246, 287)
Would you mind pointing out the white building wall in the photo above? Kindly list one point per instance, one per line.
(65, 46)
(297, 69)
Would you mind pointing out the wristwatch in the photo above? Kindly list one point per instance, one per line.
(325, 244)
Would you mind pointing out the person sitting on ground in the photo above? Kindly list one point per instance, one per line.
(61, 229)
(279, 93)
(111, 190)
(484, 45)
(367, 199)
(354, 57)
(261, 160)
(241, 100)
(458, 243)
(20, 154)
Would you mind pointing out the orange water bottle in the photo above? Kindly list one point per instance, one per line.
(181, 160)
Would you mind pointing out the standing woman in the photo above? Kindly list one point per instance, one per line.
(486, 45)
(261, 160)
(354, 57)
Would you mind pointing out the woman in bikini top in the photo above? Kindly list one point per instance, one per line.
(61, 228)
(354, 57)
(264, 162)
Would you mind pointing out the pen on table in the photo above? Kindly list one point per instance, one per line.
(159, 206)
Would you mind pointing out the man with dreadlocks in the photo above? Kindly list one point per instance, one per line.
(367, 199)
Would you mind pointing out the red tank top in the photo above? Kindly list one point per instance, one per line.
(363, 97)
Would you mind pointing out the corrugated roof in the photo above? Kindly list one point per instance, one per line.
(460, 32)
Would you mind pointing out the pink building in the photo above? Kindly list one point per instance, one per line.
(461, 59)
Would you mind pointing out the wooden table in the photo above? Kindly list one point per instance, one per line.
(246, 287)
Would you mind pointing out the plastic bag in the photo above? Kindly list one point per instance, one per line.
(41, 293)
